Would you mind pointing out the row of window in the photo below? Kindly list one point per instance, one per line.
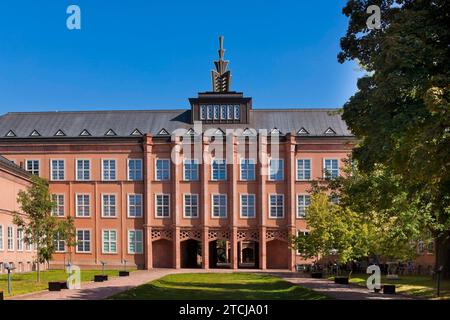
(190, 205)
(11, 245)
(190, 169)
(109, 241)
(220, 112)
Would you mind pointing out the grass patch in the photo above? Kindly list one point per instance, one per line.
(219, 286)
(419, 286)
(26, 282)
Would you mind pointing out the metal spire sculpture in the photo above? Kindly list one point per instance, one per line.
(221, 78)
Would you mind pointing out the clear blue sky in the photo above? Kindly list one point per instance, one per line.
(155, 54)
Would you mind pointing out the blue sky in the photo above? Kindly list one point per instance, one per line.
(155, 54)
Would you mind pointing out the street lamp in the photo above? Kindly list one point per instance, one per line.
(9, 267)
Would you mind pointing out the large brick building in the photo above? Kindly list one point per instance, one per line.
(219, 184)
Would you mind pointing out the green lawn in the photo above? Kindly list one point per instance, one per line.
(421, 286)
(219, 286)
(26, 282)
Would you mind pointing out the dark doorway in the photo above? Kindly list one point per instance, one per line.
(191, 254)
(248, 254)
(219, 254)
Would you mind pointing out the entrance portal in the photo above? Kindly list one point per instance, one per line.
(162, 254)
(277, 255)
(219, 254)
(248, 254)
(191, 254)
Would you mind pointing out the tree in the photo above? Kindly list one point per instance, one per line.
(401, 112)
(39, 226)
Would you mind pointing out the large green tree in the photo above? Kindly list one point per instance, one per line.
(401, 111)
(39, 225)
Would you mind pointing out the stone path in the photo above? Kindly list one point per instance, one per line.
(338, 291)
(103, 290)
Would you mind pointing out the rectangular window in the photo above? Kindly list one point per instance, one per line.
(162, 207)
(330, 168)
(135, 244)
(19, 239)
(216, 112)
(58, 209)
(210, 112)
(223, 112)
(57, 170)
(247, 205)
(303, 202)
(83, 170)
(219, 205)
(10, 238)
(247, 169)
(276, 206)
(218, 170)
(162, 169)
(83, 208)
(109, 241)
(190, 205)
(109, 205)
(276, 169)
(237, 112)
(303, 169)
(134, 169)
(83, 240)
(32, 166)
(202, 112)
(301, 234)
(230, 112)
(108, 170)
(190, 170)
(1, 238)
(60, 244)
(135, 205)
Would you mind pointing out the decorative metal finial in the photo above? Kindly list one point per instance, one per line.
(221, 78)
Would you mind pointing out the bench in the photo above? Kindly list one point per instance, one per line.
(54, 286)
(124, 273)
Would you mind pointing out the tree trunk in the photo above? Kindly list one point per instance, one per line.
(38, 267)
(442, 257)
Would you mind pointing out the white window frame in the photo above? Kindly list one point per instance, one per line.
(109, 205)
(163, 206)
(39, 166)
(223, 112)
(209, 112)
(83, 241)
(136, 231)
(297, 211)
(304, 232)
(10, 238)
(2, 237)
(297, 172)
(129, 205)
(109, 241)
(212, 206)
(230, 112)
(135, 170)
(203, 112)
(237, 112)
(59, 241)
(19, 239)
(163, 170)
(218, 174)
(185, 195)
(191, 170)
(82, 170)
(240, 169)
(242, 206)
(270, 169)
(77, 213)
(216, 114)
(109, 170)
(58, 170)
(325, 171)
(283, 209)
(58, 206)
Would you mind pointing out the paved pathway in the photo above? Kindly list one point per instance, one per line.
(338, 291)
(102, 290)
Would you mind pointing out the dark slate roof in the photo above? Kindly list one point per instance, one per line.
(123, 123)
(9, 165)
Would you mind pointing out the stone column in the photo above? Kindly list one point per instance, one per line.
(262, 199)
(205, 248)
(204, 212)
(234, 248)
(147, 176)
(175, 199)
(176, 248)
(291, 196)
(233, 197)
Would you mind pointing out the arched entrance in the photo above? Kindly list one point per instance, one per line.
(277, 254)
(191, 254)
(248, 254)
(162, 253)
(219, 254)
